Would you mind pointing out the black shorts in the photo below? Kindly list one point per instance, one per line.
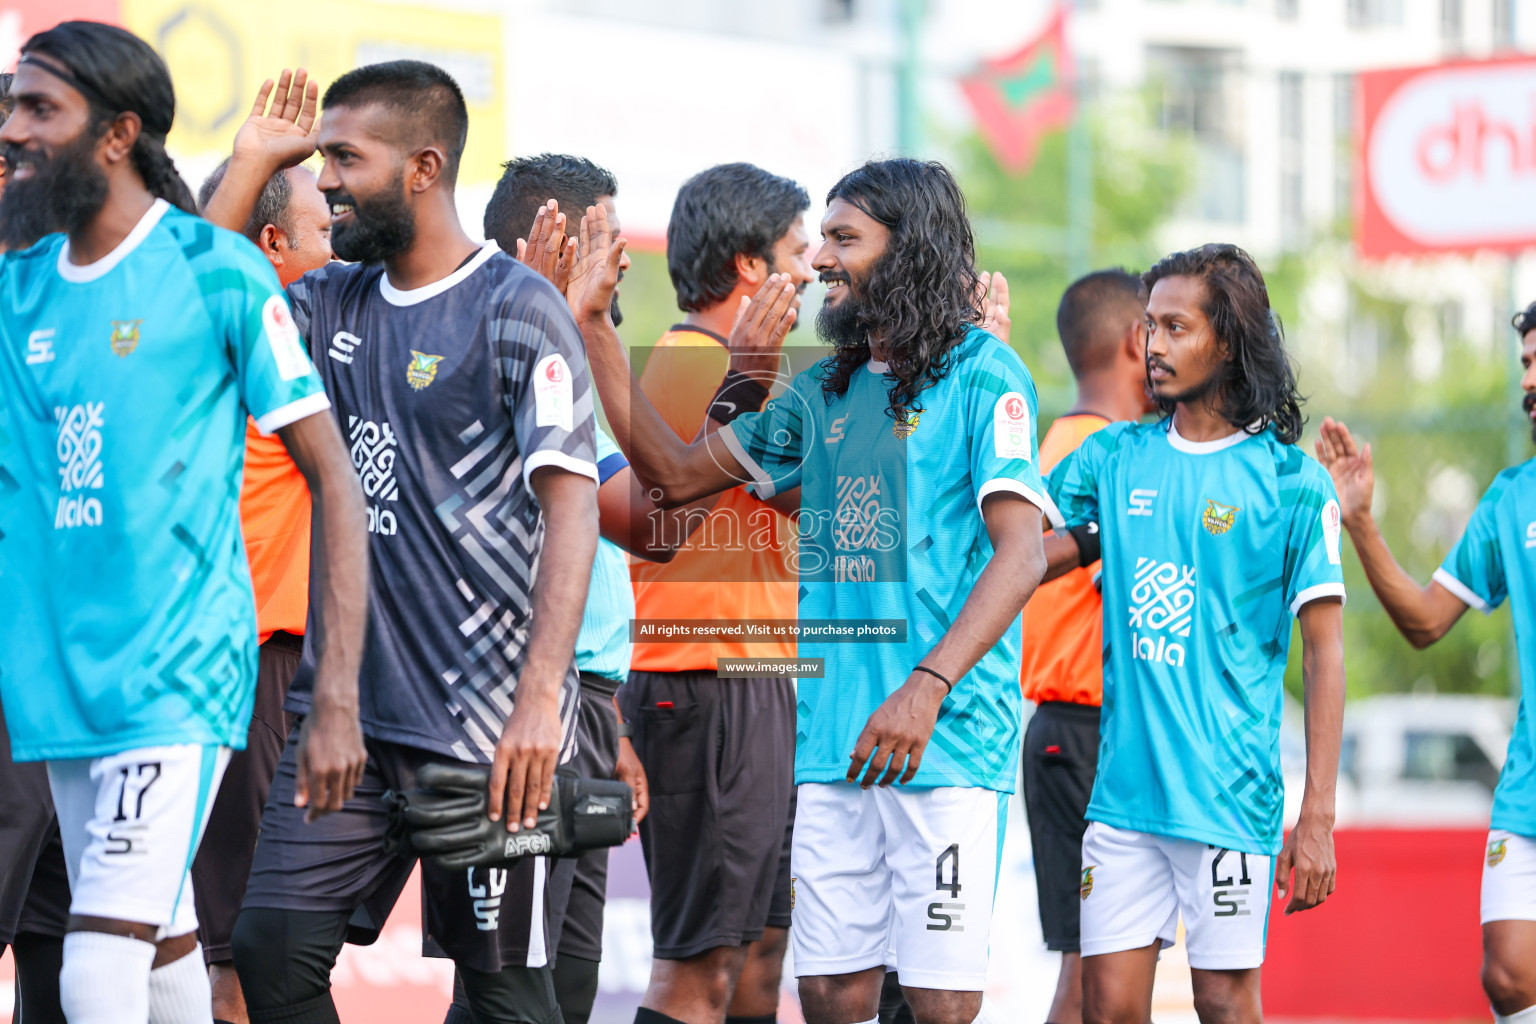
(223, 860)
(719, 756)
(34, 880)
(1061, 755)
(578, 886)
(484, 918)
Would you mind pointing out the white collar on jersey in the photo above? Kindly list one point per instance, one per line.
(876, 366)
(409, 297)
(80, 274)
(1204, 447)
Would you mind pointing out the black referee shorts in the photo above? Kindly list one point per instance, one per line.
(1061, 756)
(223, 859)
(719, 756)
(34, 880)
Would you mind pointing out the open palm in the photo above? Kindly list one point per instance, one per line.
(1349, 464)
(288, 134)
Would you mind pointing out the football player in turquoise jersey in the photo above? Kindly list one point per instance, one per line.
(1494, 560)
(913, 445)
(1215, 531)
(133, 345)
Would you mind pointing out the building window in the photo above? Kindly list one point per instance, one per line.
(1287, 10)
(1201, 93)
(1450, 25)
(1292, 183)
(1503, 24)
(1374, 13)
(1343, 144)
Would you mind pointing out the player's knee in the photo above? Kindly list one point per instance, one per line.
(934, 1006)
(1225, 1004)
(284, 959)
(1509, 984)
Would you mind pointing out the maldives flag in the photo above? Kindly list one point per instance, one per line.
(1019, 97)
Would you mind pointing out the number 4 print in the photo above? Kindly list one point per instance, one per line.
(952, 855)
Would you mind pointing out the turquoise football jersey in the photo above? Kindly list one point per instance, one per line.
(1496, 559)
(602, 645)
(125, 596)
(891, 531)
(1209, 549)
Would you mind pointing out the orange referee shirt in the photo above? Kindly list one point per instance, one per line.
(737, 564)
(1064, 621)
(274, 516)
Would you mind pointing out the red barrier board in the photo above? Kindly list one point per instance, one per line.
(1398, 940)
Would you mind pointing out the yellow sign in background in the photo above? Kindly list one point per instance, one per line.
(220, 50)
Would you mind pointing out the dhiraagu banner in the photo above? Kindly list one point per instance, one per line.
(220, 50)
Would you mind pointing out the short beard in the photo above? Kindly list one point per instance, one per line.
(1528, 403)
(64, 192)
(843, 325)
(382, 227)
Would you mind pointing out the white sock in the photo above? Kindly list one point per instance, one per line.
(1525, 1016)
(179, 992)
(105, 979)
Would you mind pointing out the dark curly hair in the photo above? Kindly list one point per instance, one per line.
(920, 296)
(1257, 382)
(1524, 321)
(529, 182)
(720, 213)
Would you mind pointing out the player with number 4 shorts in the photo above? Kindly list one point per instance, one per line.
(913, 446)
(1494, 560)
(1215, 531)
(132, 347)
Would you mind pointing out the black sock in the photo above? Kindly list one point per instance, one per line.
(575, 987)
(39, 958)
(647, 1016)
(767, 1018)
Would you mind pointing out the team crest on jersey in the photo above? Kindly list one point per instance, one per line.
(1496, 852)
(125, 337)
(903, 428)
(1086, 888)
(423, 369)
(1218, 518)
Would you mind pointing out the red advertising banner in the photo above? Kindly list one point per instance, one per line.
(20, 19)
(1446, 158)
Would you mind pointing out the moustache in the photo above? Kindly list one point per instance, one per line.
(14, 155)
(1528, 403)
(1154, 362)
(827, 277)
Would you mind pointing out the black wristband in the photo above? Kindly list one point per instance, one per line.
(949, 687)
(736, 396)
(1087, 537)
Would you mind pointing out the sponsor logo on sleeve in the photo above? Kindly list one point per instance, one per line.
(1333, 526)
(1010, 427)
(125, 337)
(552, 402)
(283, 339)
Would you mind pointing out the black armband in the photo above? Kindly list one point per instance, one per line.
(737, 395)
(1087, 537)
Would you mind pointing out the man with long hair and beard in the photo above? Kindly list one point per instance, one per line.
(460, 374)
(133, 345)
(1491, 562)
(1215, 531)
(913, 445)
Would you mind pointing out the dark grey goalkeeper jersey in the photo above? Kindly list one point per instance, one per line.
(449, 396)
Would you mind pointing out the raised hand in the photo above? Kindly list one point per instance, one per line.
(762, 321)
(288, 133)
(595, 272)
(547, 249)
(992, 297)
(1350, 466)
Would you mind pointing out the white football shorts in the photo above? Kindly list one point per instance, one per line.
(1135, 885)
(1509, 877)
(131, 823)
(896, 877)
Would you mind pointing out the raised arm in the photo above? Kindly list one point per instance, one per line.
(265, 144)
(1423, 614)
(331, 756)
(681, 472)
